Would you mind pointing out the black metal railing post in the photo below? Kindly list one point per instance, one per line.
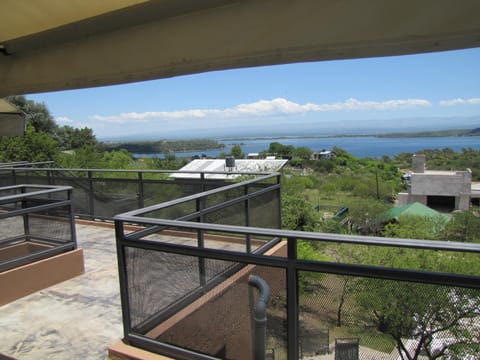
(279, 200)
(122, 277)
(247, 219)
(202, 180)
(26, 218)
(200, 205)
(73, 231)
(14, 176)
(91, 199)
(141, 194)
(292, 300)
(50, 178)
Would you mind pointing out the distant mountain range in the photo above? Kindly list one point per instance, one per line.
(285, 127)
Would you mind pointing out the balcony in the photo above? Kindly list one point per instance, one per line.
(184, 267)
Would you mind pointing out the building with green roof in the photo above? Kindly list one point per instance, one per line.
(414, 209)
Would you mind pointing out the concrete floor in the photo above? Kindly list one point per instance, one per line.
(75, 319)
(78, 318)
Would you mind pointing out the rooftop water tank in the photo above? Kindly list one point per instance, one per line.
(230, 162)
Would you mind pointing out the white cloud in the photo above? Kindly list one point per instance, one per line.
(460, 101)
(278, 106)
(63, 119)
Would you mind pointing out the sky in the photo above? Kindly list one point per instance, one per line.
(403, 93)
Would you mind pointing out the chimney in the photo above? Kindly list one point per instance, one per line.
(418, 163)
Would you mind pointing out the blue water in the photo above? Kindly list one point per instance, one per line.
(357, 146)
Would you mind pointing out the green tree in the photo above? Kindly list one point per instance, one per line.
(237, 152)
(32, 147)
(417, 227)
(303, 152)
(297, 213)
(281, 149)
(70, 138)
(464, 226)
(366, 216)
(87, 157)
(308, 281)
(120, 159)
(423, 315)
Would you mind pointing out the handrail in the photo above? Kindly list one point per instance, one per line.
(46, 189)
(137, 171)
(328, 237)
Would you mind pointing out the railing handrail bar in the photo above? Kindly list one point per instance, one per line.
(341, 268)
(32, 209)
(188, 198)
(47, 189)
(138, 171)
(304, 235)
(15, 164)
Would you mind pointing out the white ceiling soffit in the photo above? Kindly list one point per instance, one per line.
(164, 38)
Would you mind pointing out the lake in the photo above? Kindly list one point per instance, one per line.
(362, 146)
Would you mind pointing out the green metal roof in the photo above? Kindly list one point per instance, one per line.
(415, 209)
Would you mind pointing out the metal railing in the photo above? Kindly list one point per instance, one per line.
(102, 193)
(184, 284)
(36, 222)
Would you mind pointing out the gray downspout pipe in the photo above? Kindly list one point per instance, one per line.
(260, 315)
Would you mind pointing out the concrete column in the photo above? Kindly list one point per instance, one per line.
(418, 163)
(462, 202)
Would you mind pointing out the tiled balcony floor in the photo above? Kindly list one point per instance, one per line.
(81, 317)
(76, 319)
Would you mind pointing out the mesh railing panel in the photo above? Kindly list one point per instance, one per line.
(114, 196)
(156, 280)
(375, 318)
(174, 211)
(221, 197)
(414, 259)
(265, 211)
(11, 227)
(6, 178)
(53, 224)
(80, 193)
(32, 178)
(156, 193)
(232, 215)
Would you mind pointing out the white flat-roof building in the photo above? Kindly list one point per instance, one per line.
(219, 168)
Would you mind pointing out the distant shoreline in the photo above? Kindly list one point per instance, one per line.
(207, 145)
(438, 133)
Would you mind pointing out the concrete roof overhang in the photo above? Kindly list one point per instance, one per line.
(48, 45)
(12, 120)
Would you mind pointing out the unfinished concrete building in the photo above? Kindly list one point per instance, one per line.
(445, 190)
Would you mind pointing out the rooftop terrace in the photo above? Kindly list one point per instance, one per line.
(183, 285)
